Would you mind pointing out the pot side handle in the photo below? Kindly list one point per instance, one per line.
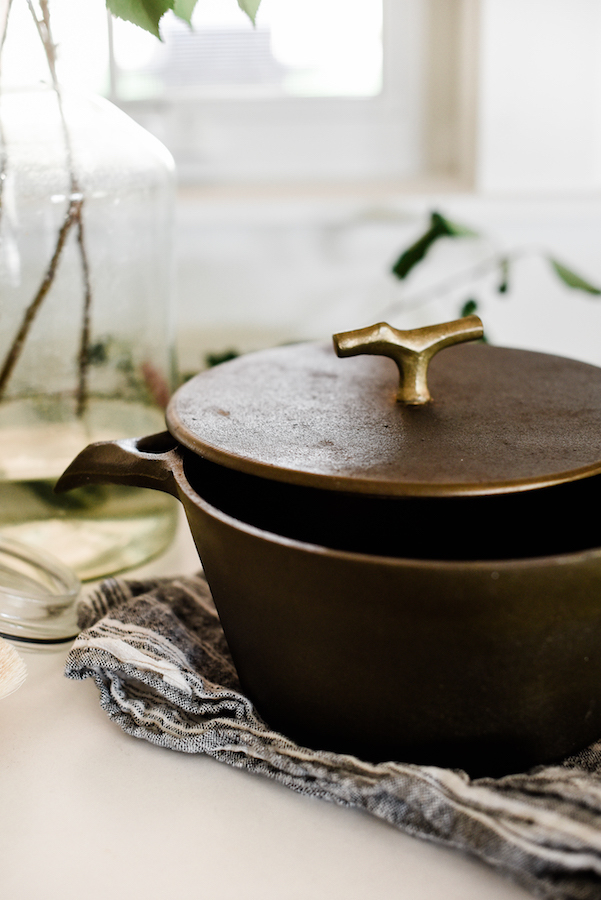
(146, 462)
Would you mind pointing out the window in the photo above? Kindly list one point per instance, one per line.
(334, 91)
(322, 48)
(354, 102)
(340, 105)
(80, 31)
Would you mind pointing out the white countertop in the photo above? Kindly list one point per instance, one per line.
(90, 812)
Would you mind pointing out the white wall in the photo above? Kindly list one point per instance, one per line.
(257, 270)
(305, 270)
(540, 96)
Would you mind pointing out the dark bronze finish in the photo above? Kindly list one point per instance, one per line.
(501, 420)
(487, 665)
(396, 581)
(410, 350)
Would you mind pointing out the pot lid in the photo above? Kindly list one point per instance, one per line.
(476, 419)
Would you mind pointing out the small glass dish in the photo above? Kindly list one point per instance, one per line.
(37, 596)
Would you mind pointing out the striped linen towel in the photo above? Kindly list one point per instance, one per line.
(159, 657)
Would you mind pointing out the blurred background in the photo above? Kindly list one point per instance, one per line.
(312, 149)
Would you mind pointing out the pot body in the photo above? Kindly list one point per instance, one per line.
(487, 665)
(491, 665)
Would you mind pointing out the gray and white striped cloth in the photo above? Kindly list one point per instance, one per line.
(158, 655)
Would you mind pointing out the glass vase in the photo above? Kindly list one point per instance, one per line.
(85, 337)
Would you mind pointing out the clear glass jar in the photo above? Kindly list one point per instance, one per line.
(85, 338)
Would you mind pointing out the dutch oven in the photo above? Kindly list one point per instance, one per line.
(407, 572)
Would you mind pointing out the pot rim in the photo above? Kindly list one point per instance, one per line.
(367, 486)
(485, 566)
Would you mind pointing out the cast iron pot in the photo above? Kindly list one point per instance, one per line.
(398, 577)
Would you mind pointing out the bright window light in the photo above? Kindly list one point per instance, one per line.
(80, 31)
(319, 48)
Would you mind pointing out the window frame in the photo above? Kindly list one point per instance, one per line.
(403, 137)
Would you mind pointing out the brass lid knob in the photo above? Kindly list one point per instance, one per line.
(410, 350)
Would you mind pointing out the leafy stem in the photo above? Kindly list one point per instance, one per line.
(441, 227)
(495, 262)
(148, 13)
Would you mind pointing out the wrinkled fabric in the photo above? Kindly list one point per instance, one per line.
(157, 653)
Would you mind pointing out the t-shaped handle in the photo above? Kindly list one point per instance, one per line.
(410, 350)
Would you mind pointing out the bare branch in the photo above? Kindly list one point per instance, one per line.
(73, 215)
(5, 6)
(84, 345)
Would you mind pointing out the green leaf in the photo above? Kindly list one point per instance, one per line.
(148, 13)
(183, 9)
(468, 308)
(572, 279)
(215, 359)
(97, 354)
(144, 13)
(454, 229)
(416, 252)
(503, 285)
(439, 227)
(250, 7)
(83, 498)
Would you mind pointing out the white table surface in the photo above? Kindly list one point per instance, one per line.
(89, 812)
